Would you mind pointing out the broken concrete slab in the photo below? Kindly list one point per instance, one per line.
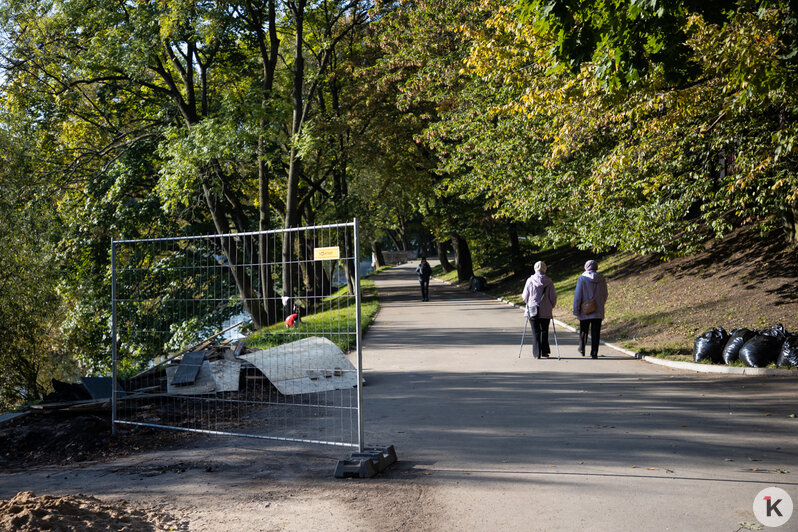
(213, 377)
(309, 365)
(226, 375)
(202, 383)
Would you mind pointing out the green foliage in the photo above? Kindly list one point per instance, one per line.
(189, 153)
(32, 347)
(625, 40)
(658, 163)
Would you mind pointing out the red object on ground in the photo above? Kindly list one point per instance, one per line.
(291, 320)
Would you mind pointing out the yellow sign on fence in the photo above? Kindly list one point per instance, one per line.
(332, 253)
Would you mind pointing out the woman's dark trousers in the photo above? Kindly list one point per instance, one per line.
(424, 289)
(540, 337)
(594, 328)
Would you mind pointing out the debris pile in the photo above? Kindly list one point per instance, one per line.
(208, 386)
(28, 512)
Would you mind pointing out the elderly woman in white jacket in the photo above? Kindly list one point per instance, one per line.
(589, 299)
(539, 292)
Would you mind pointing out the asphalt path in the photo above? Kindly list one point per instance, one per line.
(573, 444)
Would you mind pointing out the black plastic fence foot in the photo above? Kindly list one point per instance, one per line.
(366, 464)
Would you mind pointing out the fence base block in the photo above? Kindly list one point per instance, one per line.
(366, 464)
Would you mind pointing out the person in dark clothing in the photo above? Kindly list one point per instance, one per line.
(539, 293)
(590, 297)
(424, 272)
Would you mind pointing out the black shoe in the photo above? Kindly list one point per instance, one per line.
(581, 352)
(593, 356)
(545, 356)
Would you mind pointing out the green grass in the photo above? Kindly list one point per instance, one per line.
(336, 321)
(438, 273)
(672, 352)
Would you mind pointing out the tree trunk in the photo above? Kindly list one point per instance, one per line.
(294, 165)
(249, 298)
(403, 235)
(269, 59)
(317, 282)
(265, 243)
(445, 264)
(790, 221)
(191, 116)
(349, 265)
(465, 268)
(376, 250)
(425, 242)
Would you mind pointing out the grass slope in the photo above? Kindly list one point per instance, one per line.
(660, 307)
(335, 320)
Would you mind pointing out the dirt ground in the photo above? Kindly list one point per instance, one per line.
(151, 479)
(29, 512)
(743, 281)
(64, 470)
(36, 441)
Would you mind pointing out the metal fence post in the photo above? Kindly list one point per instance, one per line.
(113, 338)
(359, 365)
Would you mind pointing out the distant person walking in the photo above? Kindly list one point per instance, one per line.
(540, 298)
(424, 272)
(589, 299)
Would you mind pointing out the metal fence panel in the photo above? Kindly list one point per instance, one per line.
(250, 334)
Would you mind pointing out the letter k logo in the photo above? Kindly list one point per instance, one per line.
(772, 506)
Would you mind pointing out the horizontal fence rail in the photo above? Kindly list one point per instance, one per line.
(245, 334)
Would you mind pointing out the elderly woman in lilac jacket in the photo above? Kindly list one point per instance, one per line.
(589, 300)
(539, 290)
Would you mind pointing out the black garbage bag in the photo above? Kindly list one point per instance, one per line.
(777, 331)
(763, 348)
(709, 346)
(737, 339)
(478, 284)
(788, 356)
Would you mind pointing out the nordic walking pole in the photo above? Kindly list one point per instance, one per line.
(522, 338)
(553, 328)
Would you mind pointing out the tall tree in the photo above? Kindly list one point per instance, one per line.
(32, 347)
